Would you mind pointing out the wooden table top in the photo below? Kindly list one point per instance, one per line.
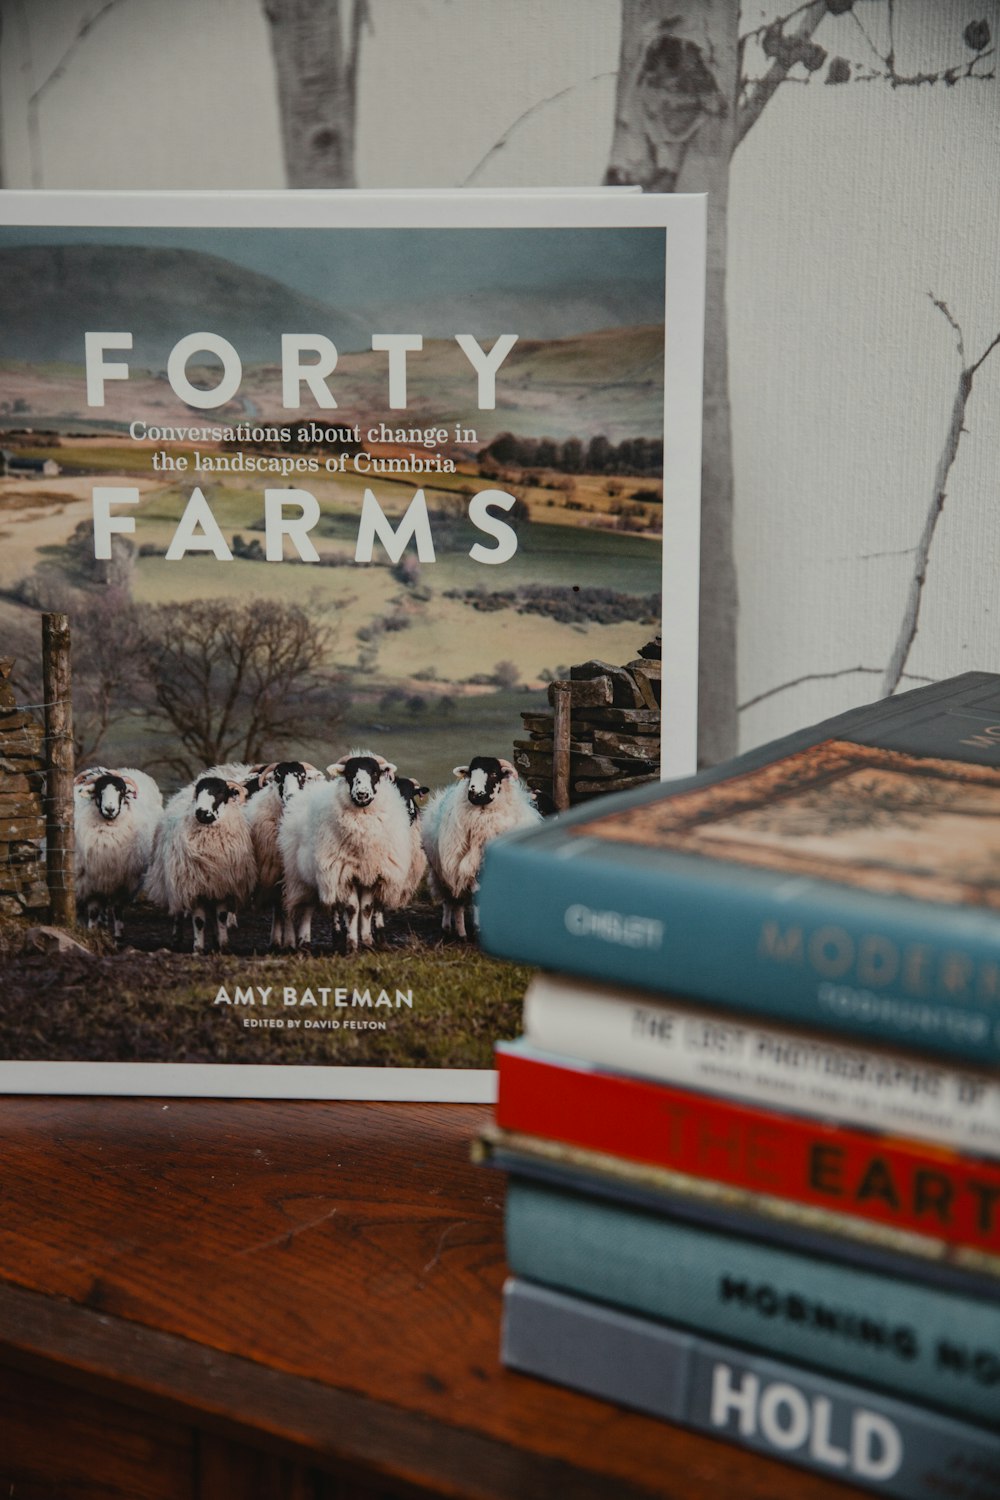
(323, 1279)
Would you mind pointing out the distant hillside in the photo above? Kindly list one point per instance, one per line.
(50, 295)
(608, 382)
(570, 307)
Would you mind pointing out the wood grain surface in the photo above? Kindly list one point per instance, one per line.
(317, 1281)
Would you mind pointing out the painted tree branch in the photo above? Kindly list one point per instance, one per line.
(762, 89)
(976, 37)
(86, 26)
(317, 78)
(956, 426)
(533, 109)
(795, 682)
(955, 73)
(360, 18)
(790, 49)
(784, 687)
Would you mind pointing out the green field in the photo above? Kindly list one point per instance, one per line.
(160, 1007)
(461, 669)
(424, 744)
(547, 552)
(428, 745)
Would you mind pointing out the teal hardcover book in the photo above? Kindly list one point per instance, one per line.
(846, 878)
(929, 1345)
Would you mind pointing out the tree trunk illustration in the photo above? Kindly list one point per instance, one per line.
(1, 132)
(316, 44)
(675, 130)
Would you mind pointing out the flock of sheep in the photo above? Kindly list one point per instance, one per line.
(352, 840)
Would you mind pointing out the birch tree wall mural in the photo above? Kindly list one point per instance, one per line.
(675, 124)
(317, 47)
(850, 538)
(683, 105)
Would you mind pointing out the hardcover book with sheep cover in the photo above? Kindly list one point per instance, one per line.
(375, 521)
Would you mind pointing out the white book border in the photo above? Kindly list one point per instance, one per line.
(250, 1081)
(683, 216)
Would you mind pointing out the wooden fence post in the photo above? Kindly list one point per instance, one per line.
(57, 677)
(562, 695)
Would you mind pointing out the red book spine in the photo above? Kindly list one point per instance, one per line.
(885, 1179)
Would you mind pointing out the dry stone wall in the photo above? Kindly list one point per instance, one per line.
(614, 730)
(23, 887)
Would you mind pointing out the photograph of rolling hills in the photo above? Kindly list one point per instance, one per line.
(307, 491)
(433, 655)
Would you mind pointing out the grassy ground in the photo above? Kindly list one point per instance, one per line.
(160, 1006)
(427, 744)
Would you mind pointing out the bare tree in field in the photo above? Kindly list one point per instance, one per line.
(316, 46)
(238, 682)
(109, 664)
(682, 108)
(109, 669)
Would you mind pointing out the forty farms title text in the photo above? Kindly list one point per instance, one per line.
(307, 361)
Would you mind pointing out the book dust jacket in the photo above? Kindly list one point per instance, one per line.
(330, 488)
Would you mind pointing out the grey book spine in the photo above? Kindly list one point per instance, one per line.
(845, 1431)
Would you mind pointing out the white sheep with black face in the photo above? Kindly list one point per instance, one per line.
(412, 793)
(278, 784)
(115, 817)
(249, 774)
(345, 845)
(203, 858)
(487, 799)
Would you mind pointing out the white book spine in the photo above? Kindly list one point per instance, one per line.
(718, 1052)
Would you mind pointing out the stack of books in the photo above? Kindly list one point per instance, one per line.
(770, 1209)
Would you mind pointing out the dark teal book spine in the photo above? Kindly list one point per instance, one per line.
(916, 1341)
(845, 1431)
(795, 948)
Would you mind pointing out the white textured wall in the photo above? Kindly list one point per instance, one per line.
(847, 206)
(181, 93)
(155, 94)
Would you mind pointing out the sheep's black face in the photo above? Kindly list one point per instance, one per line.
(255, 782)
(486, 776)
(409, 790)
(290, 776)
(211, 794)
(362, 774)
(110, 795)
